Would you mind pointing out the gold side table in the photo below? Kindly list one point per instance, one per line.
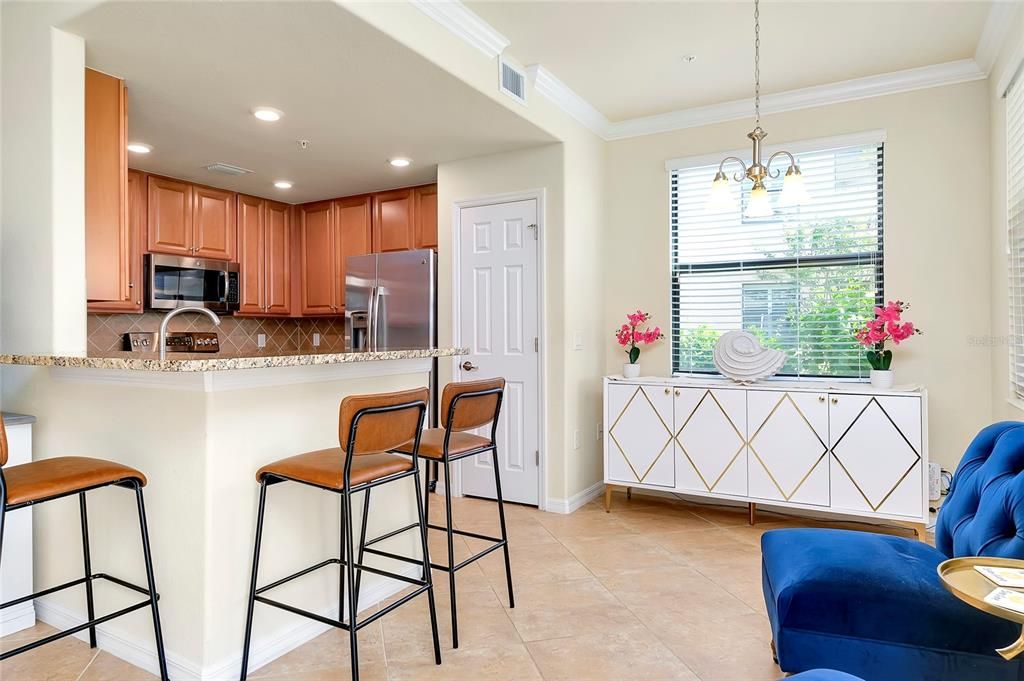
(963, 581)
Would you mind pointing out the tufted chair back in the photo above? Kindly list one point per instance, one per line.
(984, 511)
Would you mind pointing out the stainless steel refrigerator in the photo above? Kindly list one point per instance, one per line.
(391, 301)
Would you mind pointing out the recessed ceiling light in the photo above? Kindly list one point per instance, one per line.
(399, 162)
(266, 113)
(283, 184)
(689, 58)
(139, 148)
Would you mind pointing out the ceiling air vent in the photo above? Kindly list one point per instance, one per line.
(227, 169)
(512, 81)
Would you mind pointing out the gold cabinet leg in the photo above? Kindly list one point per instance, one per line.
(921, 530)
(752, 508)
(1014, 649)
(607, 498)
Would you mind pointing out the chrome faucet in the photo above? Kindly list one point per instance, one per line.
(163, 325)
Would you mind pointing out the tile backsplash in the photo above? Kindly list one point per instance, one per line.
(238, 335)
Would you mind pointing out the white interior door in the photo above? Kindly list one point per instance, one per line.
(499, 323)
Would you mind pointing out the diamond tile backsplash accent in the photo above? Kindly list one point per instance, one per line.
(237, 334)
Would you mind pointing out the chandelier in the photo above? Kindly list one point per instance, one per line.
(758, 203)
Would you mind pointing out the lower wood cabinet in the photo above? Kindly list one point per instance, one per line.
(854, 452)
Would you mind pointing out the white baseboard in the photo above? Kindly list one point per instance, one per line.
(144, 655)
(17, 618)
(576, 501)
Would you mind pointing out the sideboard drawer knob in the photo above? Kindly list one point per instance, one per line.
(821, 398)
(835, 400)
(678, 392)
(668, 391)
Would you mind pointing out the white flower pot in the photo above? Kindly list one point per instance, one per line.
(882, 379)
(630, 370)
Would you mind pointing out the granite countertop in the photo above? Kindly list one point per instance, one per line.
(205, 362)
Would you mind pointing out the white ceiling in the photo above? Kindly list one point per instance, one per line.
(625, 58)
(195, 70)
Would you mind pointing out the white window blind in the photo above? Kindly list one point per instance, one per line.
(1015, 228)
(802, 280)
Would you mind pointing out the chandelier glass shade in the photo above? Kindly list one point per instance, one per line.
(759, 203)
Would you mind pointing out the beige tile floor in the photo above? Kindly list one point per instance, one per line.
(658, 589)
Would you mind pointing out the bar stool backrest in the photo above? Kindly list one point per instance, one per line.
(3, 441)
(383, 421)
(471, 411)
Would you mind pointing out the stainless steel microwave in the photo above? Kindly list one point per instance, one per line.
(173, 281)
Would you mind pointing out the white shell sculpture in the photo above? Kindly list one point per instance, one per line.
(739, 356)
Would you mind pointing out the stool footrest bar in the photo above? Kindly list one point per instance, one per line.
(464, 533)
(304, 613)
(394, 556)
(389, 535)
(383, 611)
(77, 582)
(300, 573)
(74, 630)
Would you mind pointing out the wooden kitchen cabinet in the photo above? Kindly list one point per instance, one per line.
(394, 221)
(354, 219)
(264, 256)
(425, 216)
(108, 243)
(213, 223)
(318, 258)
(169, 216)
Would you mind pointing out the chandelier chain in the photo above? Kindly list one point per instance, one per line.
(757, 64)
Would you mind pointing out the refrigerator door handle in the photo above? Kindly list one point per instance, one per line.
(371, 321)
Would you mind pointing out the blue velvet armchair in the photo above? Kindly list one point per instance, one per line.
(872, 605)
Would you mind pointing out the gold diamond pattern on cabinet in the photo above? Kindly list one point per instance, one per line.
(787, 446)
(639, 421)
(710, 440)
(876, 478)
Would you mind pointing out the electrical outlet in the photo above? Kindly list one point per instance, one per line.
(576, 439)
(600, 431)
(316, 339)
(261, 340)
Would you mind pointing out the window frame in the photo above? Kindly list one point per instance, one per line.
(869, 138)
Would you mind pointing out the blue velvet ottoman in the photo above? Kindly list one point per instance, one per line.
(823, 675)
(872, 605)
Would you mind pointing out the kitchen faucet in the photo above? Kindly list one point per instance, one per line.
(163, 325)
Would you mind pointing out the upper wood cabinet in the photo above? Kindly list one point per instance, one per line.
(318, 259)
(188, 219)
(278, 240)
(170, 216)
(108, 243)
(354, 234)
(394, 221)
(425, 213)
(264, 256)
(213, 223)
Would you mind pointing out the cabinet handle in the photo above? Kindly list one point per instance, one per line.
(668, 391)
(821, 398)
(835, 400)
(678, 392)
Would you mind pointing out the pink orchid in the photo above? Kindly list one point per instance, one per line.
(630, 335)
(887, 325)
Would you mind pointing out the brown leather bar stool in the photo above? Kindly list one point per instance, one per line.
(369, 426)
(464, 406)
(34, 483)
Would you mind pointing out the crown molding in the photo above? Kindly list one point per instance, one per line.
(907, 80)
(545, 83)
(997, 27)
(464, 23)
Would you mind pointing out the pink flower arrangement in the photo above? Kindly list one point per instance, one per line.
(887, 325)
(631, 336)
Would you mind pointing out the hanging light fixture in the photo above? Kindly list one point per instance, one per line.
(758, 203)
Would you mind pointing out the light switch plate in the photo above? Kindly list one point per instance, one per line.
(261, 340)
(577, 340)
(316, 339)
(576, 439)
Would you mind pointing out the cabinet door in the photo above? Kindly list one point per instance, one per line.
(426, 216)
(169, 223)
(136, 239)
(107, 237)
(711, 445)
(393, 221)
(318, 258)
(639, 447)
(251, 255)
(788, 455)
(278, 249)
(876, 454)
(213, 223)
(355, 219)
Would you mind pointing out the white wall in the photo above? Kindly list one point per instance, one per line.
(936, 244)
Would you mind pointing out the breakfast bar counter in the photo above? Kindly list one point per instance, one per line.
(199, 429)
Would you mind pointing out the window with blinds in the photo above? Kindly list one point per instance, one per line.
(1015, 228)
(802, 280)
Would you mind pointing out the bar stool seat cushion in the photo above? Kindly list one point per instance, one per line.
(63, 475)
(432, 443)
(326, 468)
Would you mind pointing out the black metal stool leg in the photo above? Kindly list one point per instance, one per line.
(351, 574)
(88, 568)
(451, 550)
(426, 567)
(252, 583)
(342, 555)
(362, 540)
(501, 519)
(151, 582)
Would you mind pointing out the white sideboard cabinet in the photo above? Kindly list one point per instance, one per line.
(839, 447)
(16, 566)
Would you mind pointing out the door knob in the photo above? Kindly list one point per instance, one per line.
(469, 366)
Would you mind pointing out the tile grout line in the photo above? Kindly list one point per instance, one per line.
(88, 664)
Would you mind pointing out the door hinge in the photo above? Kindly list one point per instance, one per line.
(533, 228)
(536, 456)
(536, 344)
